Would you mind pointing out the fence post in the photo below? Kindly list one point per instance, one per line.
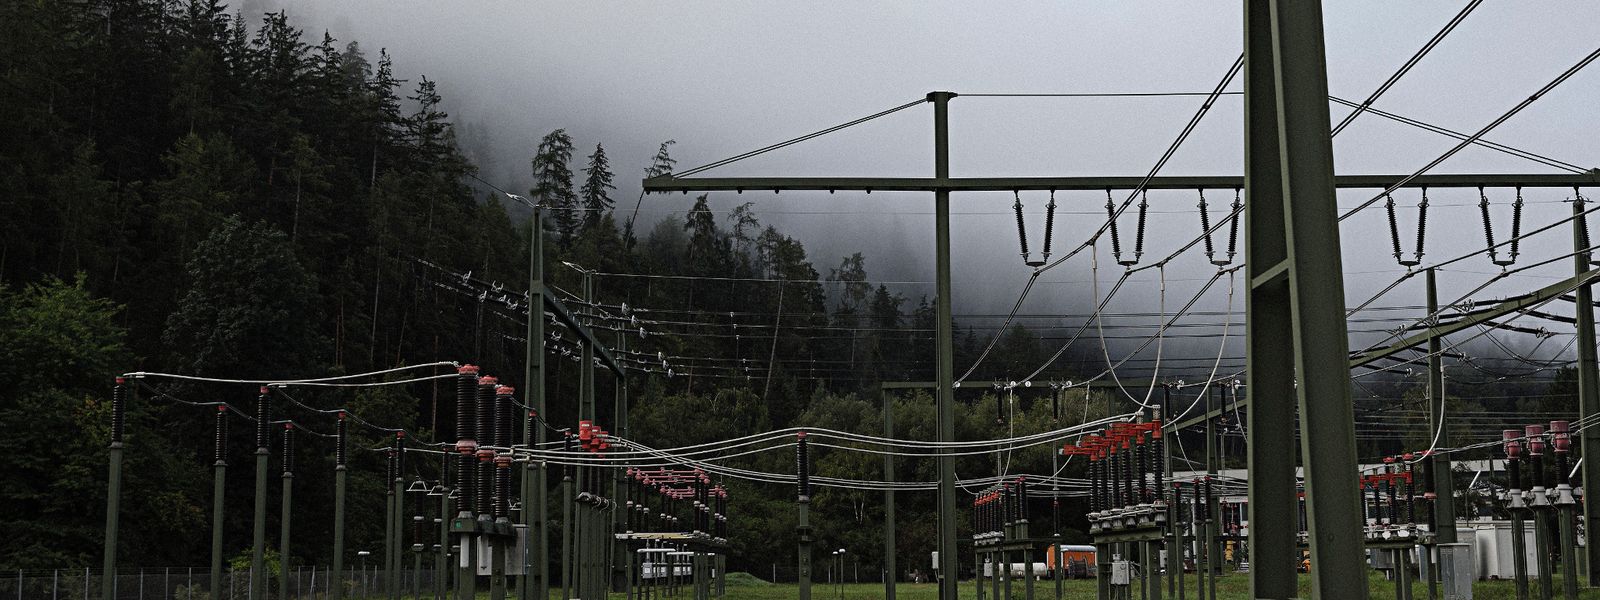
(86, 583)
(55, 583)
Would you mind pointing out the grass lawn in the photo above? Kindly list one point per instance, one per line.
(1235, 586)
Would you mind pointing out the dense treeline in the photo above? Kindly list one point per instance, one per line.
(188, 189)
(193, 190)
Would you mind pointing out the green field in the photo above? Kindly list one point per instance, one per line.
(745, 587)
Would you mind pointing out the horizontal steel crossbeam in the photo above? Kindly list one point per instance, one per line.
(668, 183)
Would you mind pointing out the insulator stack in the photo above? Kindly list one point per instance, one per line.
(1138, 232)
(1022, 232)
(1233, 226)
(484, 498)
(288, 447)
(1394, 226)
(1422, 227)
(119, 407)
(1049, 223)
(1535, 435)
(1111, 216)
(220, 455)
(1410, 494)
(466, 433)
(263, 414)
(339, 457)
(1511, 438)
(1205, 227)
(502, 459)
(802, 467)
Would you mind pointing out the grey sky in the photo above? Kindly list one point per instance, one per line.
(725, 77)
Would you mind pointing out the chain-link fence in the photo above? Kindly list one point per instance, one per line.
(187, 583)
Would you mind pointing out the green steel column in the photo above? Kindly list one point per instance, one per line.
(389, 509)
(1541, 545)
(258, 570)
(286, 510)
(1519, 552)
(340, 476)
(1213, 546)
(416, 561)
(620, 581)
(944, 348)
(535, 504)
(1269, 372)
(803, 525)
(566, 529)
(1444, 510)
(1588, 389)
(889, 569)
(219, 480)
(108, 579)
(804, 558)
(1569, 549)
(1296, 286)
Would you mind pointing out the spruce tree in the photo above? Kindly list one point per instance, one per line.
(552, 182)
(596, 200)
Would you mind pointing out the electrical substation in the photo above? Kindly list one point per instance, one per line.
(1251, 474)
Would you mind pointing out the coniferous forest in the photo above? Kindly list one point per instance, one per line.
(188, 189)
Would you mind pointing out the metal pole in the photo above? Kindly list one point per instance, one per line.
(219, 477)
(390, 508)
(535, 506)
(113, 494)
(889, 570)
(258, 570)
(621, 580)
(566, 529)
(803, 524)
(944, 348)
(341, 475)
(1296, 287)
(286, 510)
(1588, 385)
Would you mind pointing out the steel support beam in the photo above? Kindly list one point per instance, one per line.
(889, 569)
(1438, 331)
(944, 348)
(557, 308)
(1588, 388)
(1293, 221)
(535, 501)
(1444, 504)
(668, 183)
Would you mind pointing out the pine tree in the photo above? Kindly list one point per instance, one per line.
(552, 182)
(660, 164)
(596, 201)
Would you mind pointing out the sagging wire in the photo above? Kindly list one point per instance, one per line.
(144, 374)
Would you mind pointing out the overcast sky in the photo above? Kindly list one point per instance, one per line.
(722, 78)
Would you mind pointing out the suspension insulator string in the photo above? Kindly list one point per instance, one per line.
(1488, 227)
(1111, 215)
(1022, 232)
(1422, 228)
(1138, 234)
(1049, 224)
(1516, 225)
(1233, 226)
(1394, 227)
(1205, 228)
